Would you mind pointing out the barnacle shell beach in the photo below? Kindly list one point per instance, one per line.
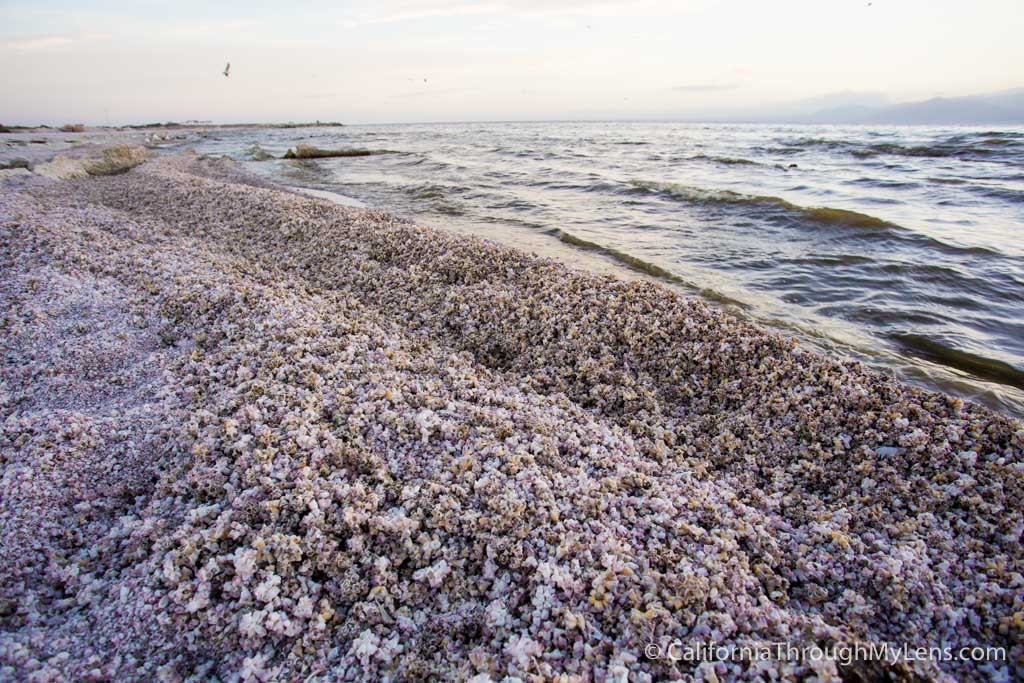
(252, 435)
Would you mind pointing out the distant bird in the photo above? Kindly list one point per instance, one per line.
(227, 69)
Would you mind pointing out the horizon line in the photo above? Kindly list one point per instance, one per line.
(327, 124)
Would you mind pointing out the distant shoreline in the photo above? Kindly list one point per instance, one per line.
(725, 121)
(169, 125)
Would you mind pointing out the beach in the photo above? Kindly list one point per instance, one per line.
(897, 246)
(254, 435)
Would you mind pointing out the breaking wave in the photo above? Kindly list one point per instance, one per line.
(643, 266)
(821, 215)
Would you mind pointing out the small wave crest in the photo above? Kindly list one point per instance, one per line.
(644, 267)
(935, 151)
(728, 161)
(860, 150)
(813, 142)
(821, 215)
(1005, 194)
(943, 354)
(959, 147)
(438, 198)
(988, 148)
(999, 142)
(257, 153)
(427, 192)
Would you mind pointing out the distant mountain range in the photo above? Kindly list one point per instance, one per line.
(1006, 107)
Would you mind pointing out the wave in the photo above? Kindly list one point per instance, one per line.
(979, 366)
(426, 191)
(865, 224)
(448, 208)
(953, 147)
(822, 215)
(999, 142)
(814, 142)
(438, 198)
(988, 148)
(257, 153)
(992, 137)
(729, 161)
(306, 172)
(1002, 134)
(1005, 194)
(645, 267)
(881, 183)
(935, 151)
(778, 150)
(523, 152)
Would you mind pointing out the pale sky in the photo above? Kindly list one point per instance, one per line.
(366, 61)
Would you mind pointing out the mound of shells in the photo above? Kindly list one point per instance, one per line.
(248, 435)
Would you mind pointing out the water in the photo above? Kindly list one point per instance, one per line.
(899, 246)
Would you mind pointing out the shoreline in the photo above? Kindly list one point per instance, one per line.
(363, 446)
(931, 360)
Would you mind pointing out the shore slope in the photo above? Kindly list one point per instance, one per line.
(252, 434)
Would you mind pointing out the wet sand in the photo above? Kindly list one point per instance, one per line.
(255, 435)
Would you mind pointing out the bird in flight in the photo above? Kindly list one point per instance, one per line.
(227, 69)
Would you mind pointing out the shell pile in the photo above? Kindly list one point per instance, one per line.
(248, 435)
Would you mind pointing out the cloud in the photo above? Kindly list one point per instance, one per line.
(705, 87)
(56, 40)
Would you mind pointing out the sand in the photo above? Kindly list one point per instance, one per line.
(252, 435)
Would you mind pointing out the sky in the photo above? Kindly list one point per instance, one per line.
(371, 61)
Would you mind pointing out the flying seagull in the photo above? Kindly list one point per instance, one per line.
(227, 69)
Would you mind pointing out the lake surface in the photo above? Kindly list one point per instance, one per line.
(900, 246)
